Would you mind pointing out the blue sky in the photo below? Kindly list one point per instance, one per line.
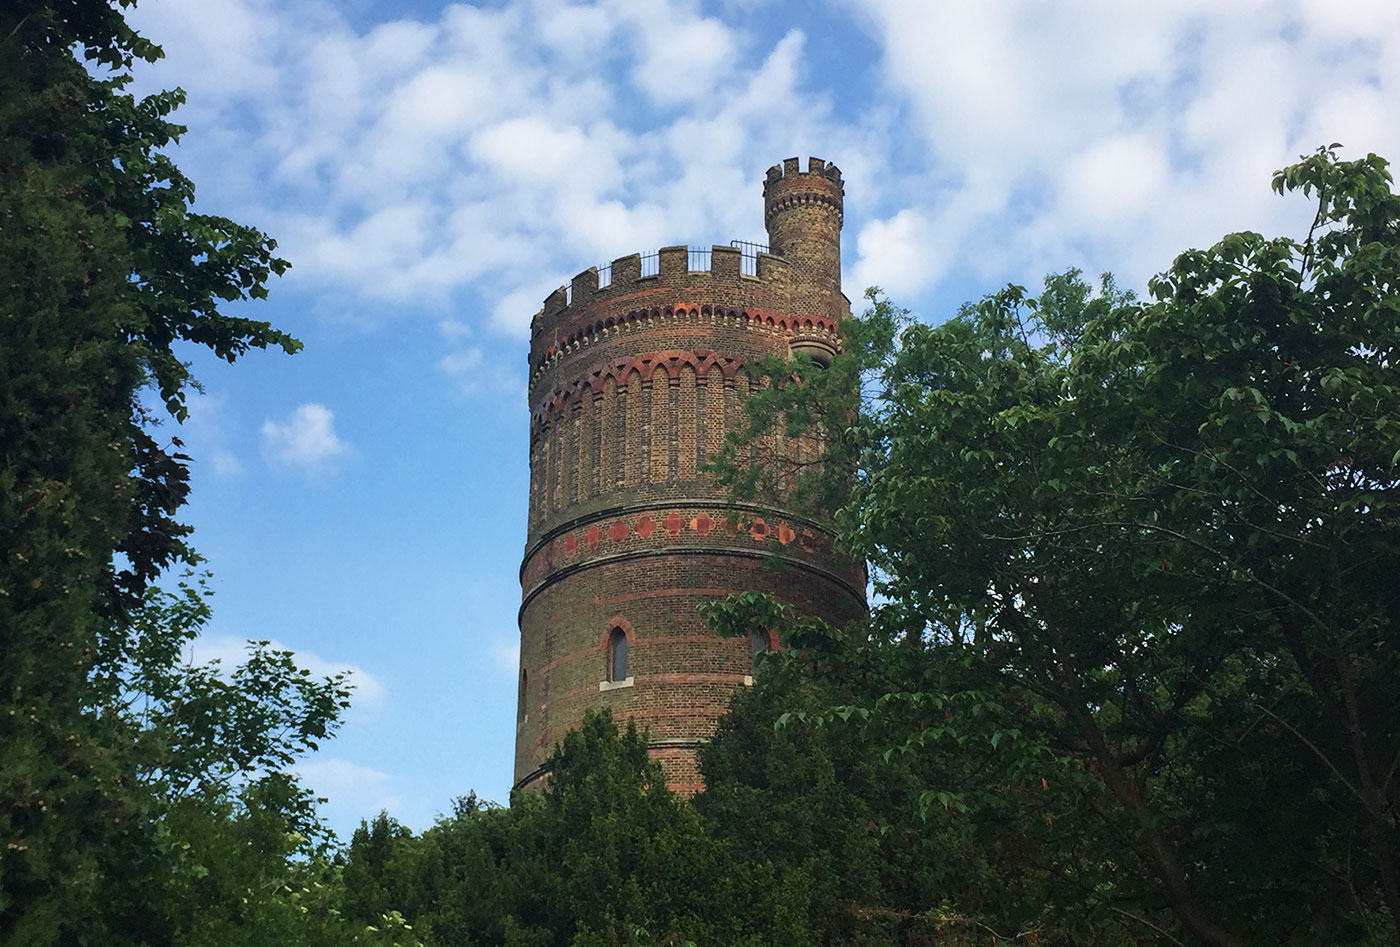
(432, 171)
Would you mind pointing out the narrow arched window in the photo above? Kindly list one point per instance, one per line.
(759, 642)
(524, 684)
(617, 656)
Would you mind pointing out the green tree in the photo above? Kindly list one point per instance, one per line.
(1147, 547)
(921, 808)
(206, 730)
(234, 839)
(604, 855)
(225, 846)
(106, 270)
(827, 812)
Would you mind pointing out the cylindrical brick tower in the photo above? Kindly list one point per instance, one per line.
(636, 375)
(803, 215)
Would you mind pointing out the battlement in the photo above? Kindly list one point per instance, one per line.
(670, 266)
(816, 167)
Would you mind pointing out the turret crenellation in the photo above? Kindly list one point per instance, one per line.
(815, 166)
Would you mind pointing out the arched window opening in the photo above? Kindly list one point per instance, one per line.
(617, 656)
(759, 642)
(524, 689)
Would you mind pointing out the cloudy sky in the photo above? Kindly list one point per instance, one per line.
(432, 171)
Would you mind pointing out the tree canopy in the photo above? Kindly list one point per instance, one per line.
(1142, 551)
(605, 855)
(141, 800)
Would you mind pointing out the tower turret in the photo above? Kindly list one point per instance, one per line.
(803, 211)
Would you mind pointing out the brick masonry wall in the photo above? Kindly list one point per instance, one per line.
(633, 385)
(682, 673)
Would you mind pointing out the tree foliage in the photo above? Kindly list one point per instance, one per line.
(1143, 550)
(605, 855)
(141, 800)
(830, 813)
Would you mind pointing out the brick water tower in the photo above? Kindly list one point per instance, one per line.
(637, 372)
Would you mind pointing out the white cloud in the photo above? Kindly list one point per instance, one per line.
(223, 49)
(1114, 181)
(455, 329)
(351, 790)
(305, 440)
(460, 363)
(1114, 135)
(472, 161)
(576, 32)
(530, 149)
(683, 56)
(505, 654)
(230, 651)
(206, 433)
(471, 373)
(898, 254)
(224, 462)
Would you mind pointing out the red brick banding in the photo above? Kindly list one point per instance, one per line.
(633, 386)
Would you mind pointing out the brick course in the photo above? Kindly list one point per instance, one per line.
(633, 385)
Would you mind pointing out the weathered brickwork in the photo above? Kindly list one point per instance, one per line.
(633, 385)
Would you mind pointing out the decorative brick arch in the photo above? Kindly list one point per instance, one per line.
(617, 621)
(763, 318)
(562, 399)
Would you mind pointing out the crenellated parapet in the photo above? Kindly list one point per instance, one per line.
(587, 308)
(672, 265)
